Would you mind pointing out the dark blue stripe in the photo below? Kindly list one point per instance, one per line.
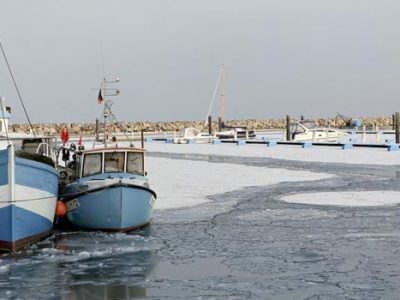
(36, 175)
(25, 224)
(3, 167)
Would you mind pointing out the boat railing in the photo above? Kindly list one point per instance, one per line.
(46, 150)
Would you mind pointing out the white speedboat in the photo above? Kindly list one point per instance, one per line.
(301, 133)
(192, 135)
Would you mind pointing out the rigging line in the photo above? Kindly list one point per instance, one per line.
(213, 97)
(16, 87)
(27, 200)
(4, 120)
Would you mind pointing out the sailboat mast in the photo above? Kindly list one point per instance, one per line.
(222, 93)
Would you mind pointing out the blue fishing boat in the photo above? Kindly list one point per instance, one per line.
(28, 183)
(110, 191)
(28, 195)
(106, 187)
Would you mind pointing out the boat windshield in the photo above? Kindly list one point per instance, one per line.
(92, 164)
(135, 162)
(114, 161)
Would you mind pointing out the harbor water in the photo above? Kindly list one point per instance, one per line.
(227, 232)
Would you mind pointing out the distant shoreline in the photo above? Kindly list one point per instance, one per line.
(158, 126)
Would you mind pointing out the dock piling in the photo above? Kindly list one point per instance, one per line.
(397, 127)
(288, 138)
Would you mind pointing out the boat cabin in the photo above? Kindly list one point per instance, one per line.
(109, 160)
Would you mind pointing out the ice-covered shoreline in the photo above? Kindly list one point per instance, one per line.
(364, 156)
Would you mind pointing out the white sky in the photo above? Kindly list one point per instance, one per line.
(308, 57)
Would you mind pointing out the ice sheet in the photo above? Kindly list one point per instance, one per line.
(373, 156)
(183, 183)
(370, 198)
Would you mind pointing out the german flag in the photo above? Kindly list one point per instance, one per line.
(100, 97)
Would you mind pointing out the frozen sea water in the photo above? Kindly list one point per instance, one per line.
(234, 238)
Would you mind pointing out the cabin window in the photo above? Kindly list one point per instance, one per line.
(114, 161)
(92, 164)
(135, 162)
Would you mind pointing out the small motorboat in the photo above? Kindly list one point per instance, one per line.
(229, 132)
(301, 133)
(192, 135)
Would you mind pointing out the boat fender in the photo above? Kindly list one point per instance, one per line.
(61, 209)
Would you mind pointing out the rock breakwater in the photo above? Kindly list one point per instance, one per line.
(90, 128)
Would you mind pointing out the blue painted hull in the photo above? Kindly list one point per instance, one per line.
(115, 208)
(30, 216)
(20, 227)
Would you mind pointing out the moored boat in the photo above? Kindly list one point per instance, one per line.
(192, 135)
(28, 182)
(302, 132)
(28, 195)
(106, 187)
(110, 191)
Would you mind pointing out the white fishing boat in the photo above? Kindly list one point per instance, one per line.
(307, 132)
(192, 135)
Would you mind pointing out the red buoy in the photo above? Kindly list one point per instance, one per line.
(61, 209)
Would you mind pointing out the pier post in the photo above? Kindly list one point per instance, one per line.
(142, 138)
(397, 129)
(209, 124)
(219, 123)
(288, 137)
(393, 122)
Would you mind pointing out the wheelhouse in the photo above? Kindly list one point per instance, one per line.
(110, 160)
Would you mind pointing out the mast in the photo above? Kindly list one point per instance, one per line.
(107, 113)
(222, 93)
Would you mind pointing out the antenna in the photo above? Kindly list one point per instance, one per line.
(108, 103)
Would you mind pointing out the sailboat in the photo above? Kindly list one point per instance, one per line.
(28, 183)
(225, 131)
(109, 189)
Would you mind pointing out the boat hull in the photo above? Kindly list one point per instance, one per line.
(119, 207)
(29, 216)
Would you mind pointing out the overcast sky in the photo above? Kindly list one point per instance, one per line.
(310, 57)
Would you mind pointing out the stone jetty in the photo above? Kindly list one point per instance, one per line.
(89, 128)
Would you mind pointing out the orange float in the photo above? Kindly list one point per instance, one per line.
(61, 209)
